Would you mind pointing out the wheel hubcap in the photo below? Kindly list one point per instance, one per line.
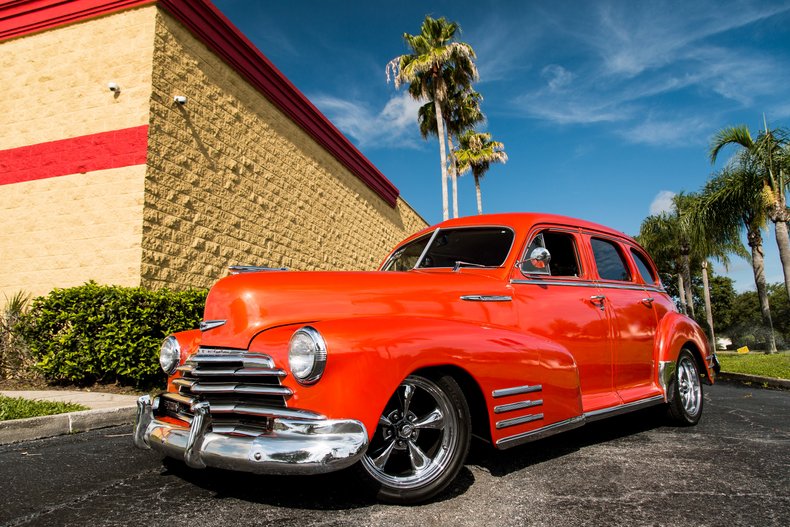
(689, 386)
(416, 437)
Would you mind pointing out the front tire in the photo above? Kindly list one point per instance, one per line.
(685, 391)
(421, 441)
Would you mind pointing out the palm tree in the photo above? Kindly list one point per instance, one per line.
(680, 241)
(461, 113)
(768, 154)
(734, 197)
(476, 152)
(433, 52)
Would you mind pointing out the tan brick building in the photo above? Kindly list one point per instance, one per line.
(129, 187)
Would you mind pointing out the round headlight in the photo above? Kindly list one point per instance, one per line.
(170, 355)
(307, 355)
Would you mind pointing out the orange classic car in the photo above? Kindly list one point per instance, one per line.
(507, 327)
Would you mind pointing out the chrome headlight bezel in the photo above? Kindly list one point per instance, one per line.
(307, 355)
(170, 355)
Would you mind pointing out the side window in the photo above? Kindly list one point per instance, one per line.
(644, 267)
(609, 260)
(564, 256)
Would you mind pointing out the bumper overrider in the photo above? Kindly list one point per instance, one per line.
(294, 446)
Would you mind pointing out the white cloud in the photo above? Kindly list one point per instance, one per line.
(395, 125)
(557, 77)
(680, 132)
(639, 51)
(662, 202)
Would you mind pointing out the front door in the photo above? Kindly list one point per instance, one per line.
(564, 292)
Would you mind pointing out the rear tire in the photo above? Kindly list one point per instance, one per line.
(421, 441)
(685, 391)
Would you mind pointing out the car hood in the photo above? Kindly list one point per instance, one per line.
(253, 302)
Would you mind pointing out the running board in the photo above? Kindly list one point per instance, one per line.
(576, 422)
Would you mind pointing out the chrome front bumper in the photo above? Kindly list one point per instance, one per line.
(292, 447)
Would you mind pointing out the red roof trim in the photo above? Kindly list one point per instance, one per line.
(87, 153)
(208, 24)
(22, 17)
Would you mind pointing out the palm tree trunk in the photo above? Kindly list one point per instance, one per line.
(682, 294)
(443, 155)
(708, 311)
(479, 195)
(687, 277)
(453, 174)
(758, 265)
(783, 242)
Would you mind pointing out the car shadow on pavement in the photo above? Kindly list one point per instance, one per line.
(345, 490)
(335, 491)
(504, 462)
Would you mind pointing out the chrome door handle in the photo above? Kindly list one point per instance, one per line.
(649, 300)
(599, 301)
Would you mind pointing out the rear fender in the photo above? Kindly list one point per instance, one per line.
(675, 332)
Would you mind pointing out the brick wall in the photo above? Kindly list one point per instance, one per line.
(231, 180)
(71, 209)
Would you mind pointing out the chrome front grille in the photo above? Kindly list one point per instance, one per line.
(243, 389)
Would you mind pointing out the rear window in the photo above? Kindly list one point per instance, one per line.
(644, 267)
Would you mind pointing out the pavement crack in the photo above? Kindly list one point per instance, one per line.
(22, 520)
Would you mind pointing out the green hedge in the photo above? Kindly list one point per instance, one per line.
(107, 334)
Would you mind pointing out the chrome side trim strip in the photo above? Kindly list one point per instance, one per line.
(581, 283)
(540, 433)
(487, 298)
(518, 421)
(623, 408)
(502, 408)
(554, 282)
(516, 390)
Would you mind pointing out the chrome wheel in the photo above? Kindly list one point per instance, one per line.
(689, 386)
(684, 393)
(421, 440)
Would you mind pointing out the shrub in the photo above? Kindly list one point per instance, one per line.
(95, 333)
(15, 361)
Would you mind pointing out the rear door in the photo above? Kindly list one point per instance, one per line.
(632, 317)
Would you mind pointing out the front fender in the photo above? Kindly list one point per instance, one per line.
(367, 358)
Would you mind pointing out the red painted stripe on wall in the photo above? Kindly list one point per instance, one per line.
(115, 149)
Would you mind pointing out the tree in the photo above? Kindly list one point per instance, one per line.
(476, 152)
(768, 155)
(462, 112)
(434, 51)
(734, 198)
(679, 241)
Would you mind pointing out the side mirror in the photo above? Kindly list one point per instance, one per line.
(540, 257)
(538, 262)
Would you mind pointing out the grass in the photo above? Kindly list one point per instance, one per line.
(776, 365)
(19, 408)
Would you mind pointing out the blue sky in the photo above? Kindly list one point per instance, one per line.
(605, 108)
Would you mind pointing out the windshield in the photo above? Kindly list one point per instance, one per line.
(473, 247)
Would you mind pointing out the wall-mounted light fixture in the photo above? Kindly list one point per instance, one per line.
(113, 87)
(180, 99)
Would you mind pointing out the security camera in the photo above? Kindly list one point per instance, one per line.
(113, 86)
(180, 99)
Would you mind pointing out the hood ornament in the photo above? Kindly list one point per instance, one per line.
(206, 325)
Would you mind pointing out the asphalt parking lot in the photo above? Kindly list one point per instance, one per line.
(731, 469)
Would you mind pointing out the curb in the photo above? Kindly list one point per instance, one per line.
(770, 382)
(18, 430)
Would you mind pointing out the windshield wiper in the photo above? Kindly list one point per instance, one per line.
(459, 264)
